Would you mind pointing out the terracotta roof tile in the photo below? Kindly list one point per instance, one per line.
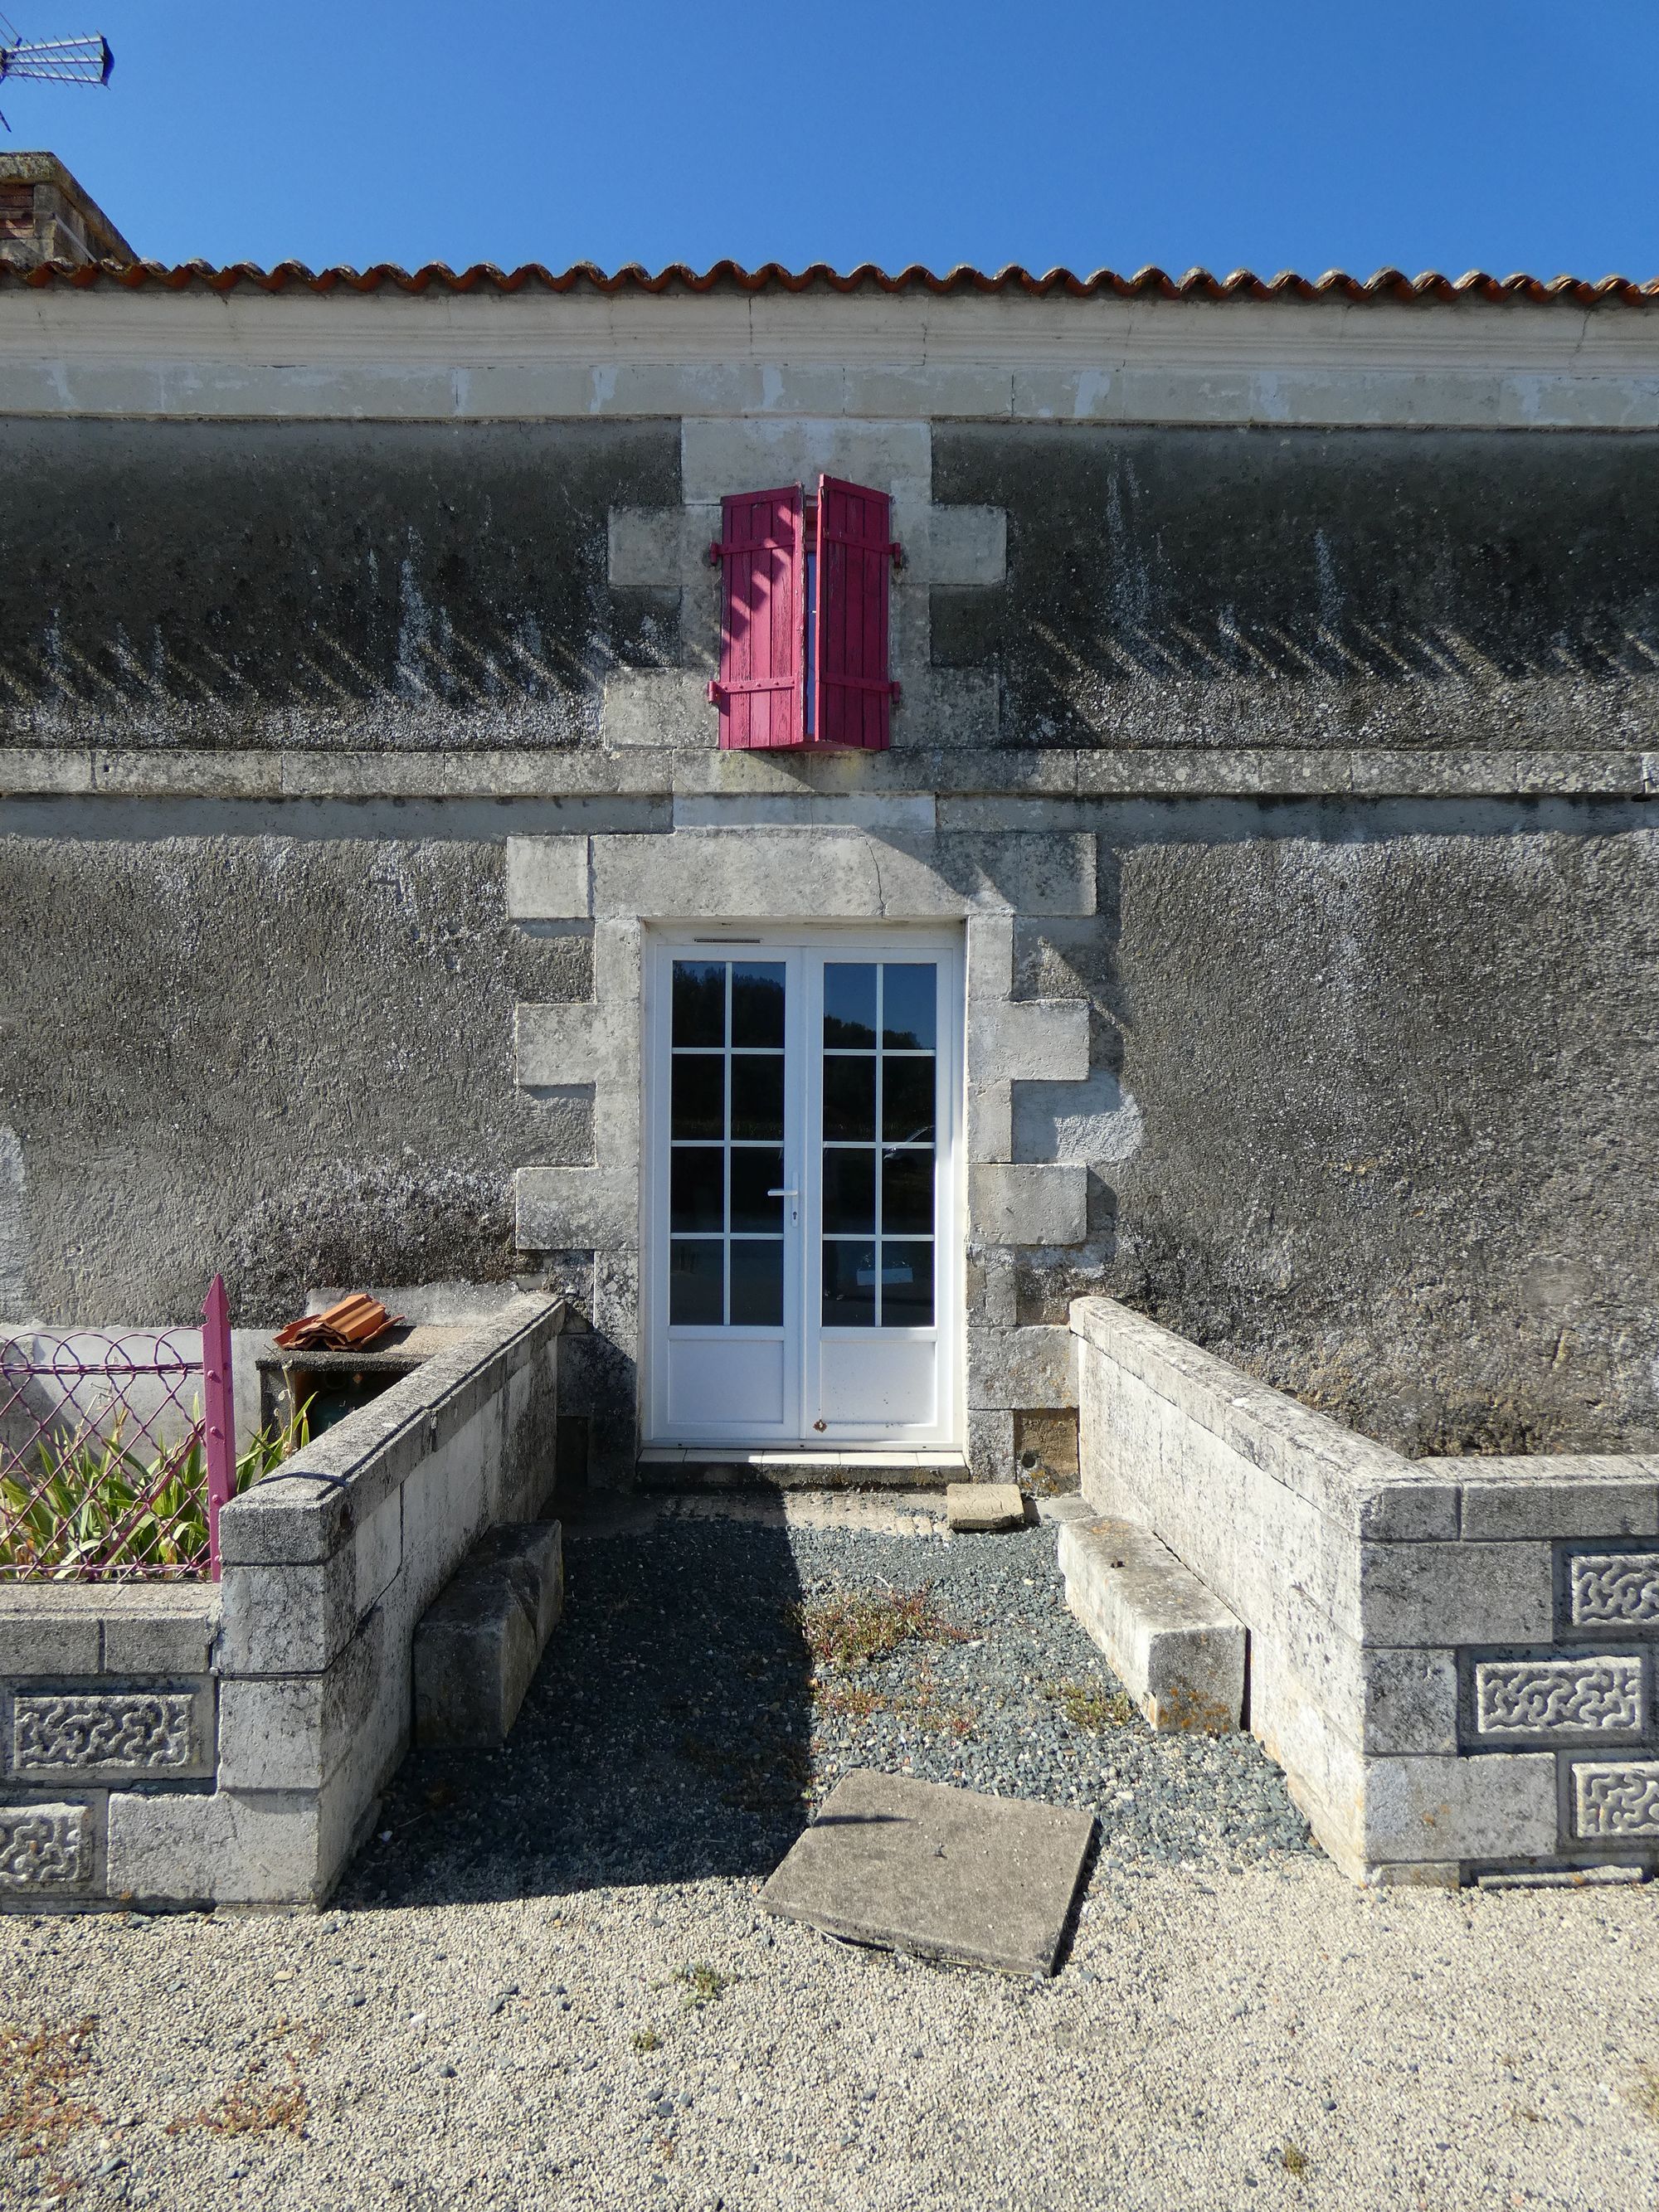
(1150, 284)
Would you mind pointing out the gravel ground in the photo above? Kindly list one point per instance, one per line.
(551, 1985)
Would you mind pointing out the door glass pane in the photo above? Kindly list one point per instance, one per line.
(697, 1192)
(849, 1097)
(697, 1095)
(907, 1286)
(726, 1233)
(757, 1003)
(907, 1193)
(695, 1273)
(907, 1100)
(849, 1191)
(850, 1004)
(757, 1095)
(909, 1000)
(756, 1170)
(849, 1284)
(895, 1001)
(758, 1282)
(700, 1002)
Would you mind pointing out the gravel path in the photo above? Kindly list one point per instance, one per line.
(552, 1985)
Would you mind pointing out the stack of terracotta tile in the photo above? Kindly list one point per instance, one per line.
(350, 1326)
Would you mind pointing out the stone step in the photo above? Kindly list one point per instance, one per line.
(1169, 1640)
(478, 1645)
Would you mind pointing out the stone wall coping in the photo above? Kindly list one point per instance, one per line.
(193, 1604)
(1371, 1490)
(364, 1458)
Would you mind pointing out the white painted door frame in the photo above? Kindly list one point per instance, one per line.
(803, 1384)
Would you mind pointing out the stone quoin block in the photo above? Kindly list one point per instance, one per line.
(1437, 1593)
(45, 1849)
(1613, 1589)
(129, 1732)
(1015, 1203)
(1611, 1799)
(1501, 1807)
(1028, 1040)
(547, 879)
(1559, 1697)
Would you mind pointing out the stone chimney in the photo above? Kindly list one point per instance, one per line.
(45, 216)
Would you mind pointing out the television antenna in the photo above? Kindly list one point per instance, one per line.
(52, 61)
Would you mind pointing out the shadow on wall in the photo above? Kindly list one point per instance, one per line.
(665, 1738)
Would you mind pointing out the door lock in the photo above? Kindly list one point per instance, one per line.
(792, 1196)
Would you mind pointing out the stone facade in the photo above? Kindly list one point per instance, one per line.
(1453, 1659)
(1276, 685)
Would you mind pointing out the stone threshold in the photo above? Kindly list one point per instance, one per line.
(708, 1466)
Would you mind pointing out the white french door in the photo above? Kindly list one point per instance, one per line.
(802, 1219)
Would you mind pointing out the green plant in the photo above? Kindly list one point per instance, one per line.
(701, 1984)
(1087, 1706)
(1294, 2159)
(647, 2038)
(852, 1628)
(96, 1507)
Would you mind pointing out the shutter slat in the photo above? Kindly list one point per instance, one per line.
(762, 555)
(855, 551)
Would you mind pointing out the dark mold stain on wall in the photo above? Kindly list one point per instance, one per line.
(320, 584)
(1310, 588)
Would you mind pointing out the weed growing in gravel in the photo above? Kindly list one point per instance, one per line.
(1087, 1706)
(1644, 2093)
(40, 2079)
(647, 2038)
(700, 1986)
(856, 1702)
(854, 1627)
(258, 2104)
(1294, 2159)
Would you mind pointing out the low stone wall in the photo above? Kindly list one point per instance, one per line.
(1454, 1660)
(189, 1744)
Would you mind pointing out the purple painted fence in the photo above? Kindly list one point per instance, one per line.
(116, 1451)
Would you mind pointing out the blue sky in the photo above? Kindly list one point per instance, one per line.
(1500, 133)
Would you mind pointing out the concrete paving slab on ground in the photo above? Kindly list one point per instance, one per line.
(944, 1874)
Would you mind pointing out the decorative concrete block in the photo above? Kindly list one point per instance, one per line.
(1011, 1203)
(1613, 1589)
(1028, 1040)
(1501, 1807)
(1443, 1594)
(478, 1647)
(1559, 1697)
(1177, 1649)
(102, 1734)
(1612, 1799)
(46, 1850)
(547, 879)
(159, 1628)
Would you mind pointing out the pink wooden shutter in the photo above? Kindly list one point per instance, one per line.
(762, 555)
(854, 692)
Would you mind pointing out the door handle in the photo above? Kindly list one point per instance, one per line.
(783, 1194)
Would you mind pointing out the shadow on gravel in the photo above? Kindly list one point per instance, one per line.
(665, 1738)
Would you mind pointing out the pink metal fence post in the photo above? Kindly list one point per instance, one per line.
(218, 1411)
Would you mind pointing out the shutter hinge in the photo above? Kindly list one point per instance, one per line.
(716, 694)
(716, 552)
(895, 692)
(897, 552)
